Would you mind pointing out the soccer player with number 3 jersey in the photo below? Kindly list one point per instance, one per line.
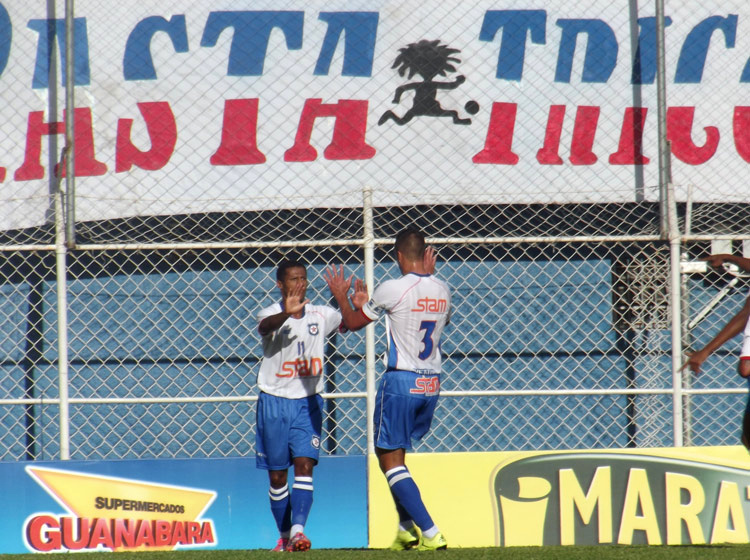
(289, 409)
(417, 308)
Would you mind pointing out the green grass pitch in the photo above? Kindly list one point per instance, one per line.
(700, 552)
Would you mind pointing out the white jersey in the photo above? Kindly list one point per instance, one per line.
(293, 355)
(417, 308)
(745, 351)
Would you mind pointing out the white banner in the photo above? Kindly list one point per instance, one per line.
(229, 106)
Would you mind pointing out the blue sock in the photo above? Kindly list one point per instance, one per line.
(407, 495)
(282, 512)
(302, 499)
(404, 518)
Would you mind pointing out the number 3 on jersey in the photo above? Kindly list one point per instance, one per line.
(428, 327)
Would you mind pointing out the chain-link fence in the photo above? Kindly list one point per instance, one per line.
(208, 142)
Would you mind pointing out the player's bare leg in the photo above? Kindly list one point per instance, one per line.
(390, 458)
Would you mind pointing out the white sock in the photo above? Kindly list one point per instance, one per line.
(296, 529)
(431, 532)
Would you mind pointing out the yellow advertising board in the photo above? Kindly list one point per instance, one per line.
(644, 496)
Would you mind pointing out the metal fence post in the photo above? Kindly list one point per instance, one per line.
(61, 273)
(369, 246)
(70, 182)
(668, 227)
(65, 232)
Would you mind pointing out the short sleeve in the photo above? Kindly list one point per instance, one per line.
(269, 311)
(383, 299)
(333, 319)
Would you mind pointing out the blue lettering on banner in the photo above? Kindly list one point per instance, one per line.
(601, 50)
(644, 65)
(252, 30)
(516, 24)
(48, 30)
(6, 34)
(695, 49)
(137, 63)
(357, 31)
(360, 30)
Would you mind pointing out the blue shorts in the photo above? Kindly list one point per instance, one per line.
(404, 407)
(285, 429)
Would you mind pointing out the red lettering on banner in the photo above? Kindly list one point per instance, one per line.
(43, 534)
(584, 131)
(101, 535)
(193, 531)
(84, 164)
(124, 532)
(679, 128)
(499, 140)
(207, 533)
(630, 150)
(145, 534)
(349, 129)
(239, 144)
(162, 131)
(162, 532)
(46, 533)
(82, 529)
(32, 167)
(178, 533)
(239, 141)
(741, 126)
(549, 154)
(84, 161)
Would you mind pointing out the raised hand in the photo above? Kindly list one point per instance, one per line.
(429, 260)
(360, 296)
(337, 282)
(293, 302)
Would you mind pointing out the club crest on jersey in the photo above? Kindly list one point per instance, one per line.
(312, 328)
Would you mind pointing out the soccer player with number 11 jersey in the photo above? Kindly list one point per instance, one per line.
(289, 410)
